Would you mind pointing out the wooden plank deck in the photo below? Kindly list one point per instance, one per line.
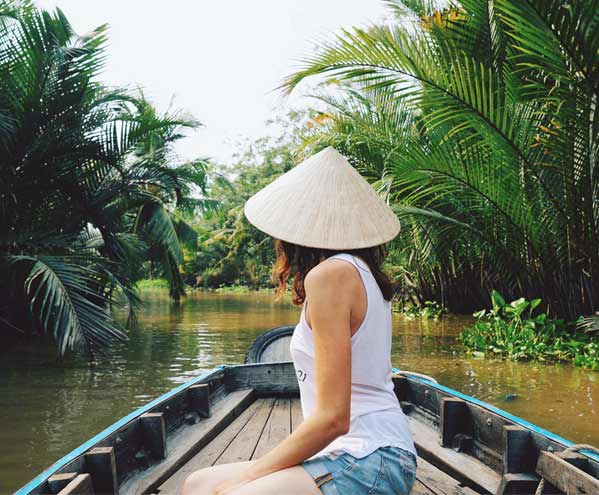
(262, 426)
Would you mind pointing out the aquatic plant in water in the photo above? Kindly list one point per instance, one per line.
(518, 330)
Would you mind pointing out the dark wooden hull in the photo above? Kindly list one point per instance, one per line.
(464, 446)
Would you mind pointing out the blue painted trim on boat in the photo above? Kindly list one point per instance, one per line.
(41, 478)
(505, 414)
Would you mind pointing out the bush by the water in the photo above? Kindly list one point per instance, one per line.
(93, 196)
(152, 283)
(240, 289)
(431, 310)
(519, 330)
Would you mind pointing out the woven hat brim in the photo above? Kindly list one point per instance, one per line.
(323, 203)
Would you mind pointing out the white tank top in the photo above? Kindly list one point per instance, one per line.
(376, 418)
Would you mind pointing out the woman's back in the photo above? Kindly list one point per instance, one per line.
(320, 205)
(376, 416)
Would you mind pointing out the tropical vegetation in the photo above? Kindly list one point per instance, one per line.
(428, 309)
(231, 252)
(478, 122)
(91, 193)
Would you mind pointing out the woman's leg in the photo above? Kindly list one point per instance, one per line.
(291, 481)
(203, 481)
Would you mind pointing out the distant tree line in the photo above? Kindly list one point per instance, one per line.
(231, 252)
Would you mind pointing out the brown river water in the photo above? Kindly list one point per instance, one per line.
(48, 407)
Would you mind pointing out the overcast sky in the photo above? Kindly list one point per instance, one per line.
(220, 60)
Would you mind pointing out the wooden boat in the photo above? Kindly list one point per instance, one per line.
(235, 413)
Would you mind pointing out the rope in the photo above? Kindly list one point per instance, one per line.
(573, 448)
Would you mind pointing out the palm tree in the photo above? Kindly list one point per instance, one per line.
(152, 196)
(87, 186)
(479, 121)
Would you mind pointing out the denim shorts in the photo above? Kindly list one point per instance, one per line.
(387, 470)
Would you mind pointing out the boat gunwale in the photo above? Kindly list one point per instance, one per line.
(501, 412)
(41, 478)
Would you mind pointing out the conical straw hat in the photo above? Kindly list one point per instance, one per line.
(325, 203)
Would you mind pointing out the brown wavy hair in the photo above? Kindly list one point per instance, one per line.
(296, 261)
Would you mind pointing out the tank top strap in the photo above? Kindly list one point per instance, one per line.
(363, 269)
(358, 262)
(373, 291)
(365, 274)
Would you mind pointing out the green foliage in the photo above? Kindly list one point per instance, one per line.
(478, 124)
(89, 184)
(518, 330)
(152, 283)
(431, 310)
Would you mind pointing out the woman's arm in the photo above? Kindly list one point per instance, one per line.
(329, 292)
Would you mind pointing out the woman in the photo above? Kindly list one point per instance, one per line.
(331, 228)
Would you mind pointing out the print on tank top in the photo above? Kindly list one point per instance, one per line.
(301, 375)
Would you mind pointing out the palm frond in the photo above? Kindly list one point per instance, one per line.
(477, 122)
(65, 297)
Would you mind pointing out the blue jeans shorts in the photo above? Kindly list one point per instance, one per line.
(386, 471)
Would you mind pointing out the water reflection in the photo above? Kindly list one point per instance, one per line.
(50, 407)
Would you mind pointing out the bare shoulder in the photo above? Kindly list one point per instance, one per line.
(331, 273)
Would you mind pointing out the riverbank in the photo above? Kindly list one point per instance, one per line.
(159, 283)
